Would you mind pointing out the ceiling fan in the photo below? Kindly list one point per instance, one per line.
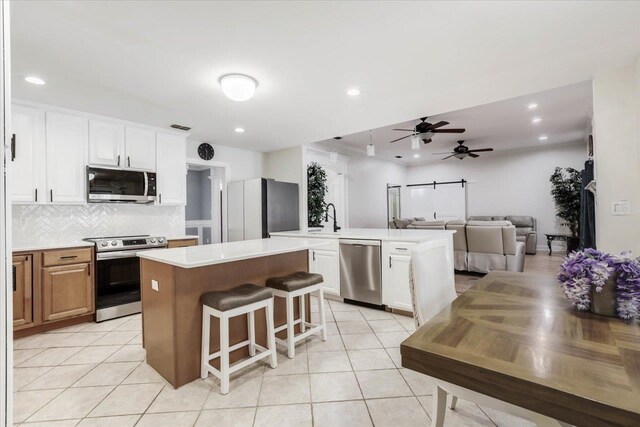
(462, 151)
(426, 130)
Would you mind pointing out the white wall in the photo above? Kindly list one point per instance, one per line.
(243, 164)
(514, 183)
(367, 185)
(616, 121)
(290, 165)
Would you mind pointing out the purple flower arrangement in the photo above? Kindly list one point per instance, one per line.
(583, 270)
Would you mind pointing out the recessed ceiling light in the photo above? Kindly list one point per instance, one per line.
(353, 92)
(238, 87)
(536, 120)
(239, 130)
(543, 137)
(532, 106)
(34, 80)
(415, 156)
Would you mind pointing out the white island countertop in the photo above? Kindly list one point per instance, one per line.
(199, 256)
(370, 233)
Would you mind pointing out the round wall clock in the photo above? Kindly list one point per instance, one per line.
(206, 151)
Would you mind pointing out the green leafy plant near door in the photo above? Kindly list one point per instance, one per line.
(566, 184)
(316, 190)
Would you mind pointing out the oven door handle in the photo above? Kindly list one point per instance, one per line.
(121, 254)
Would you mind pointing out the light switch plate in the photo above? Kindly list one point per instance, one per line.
(621, 207)
(154, 285)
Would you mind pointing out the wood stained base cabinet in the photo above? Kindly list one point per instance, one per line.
(22, 290)
(67, 291)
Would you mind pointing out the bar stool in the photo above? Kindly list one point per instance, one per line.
(289, 287)
(243, 299)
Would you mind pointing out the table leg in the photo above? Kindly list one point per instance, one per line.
(549, 244)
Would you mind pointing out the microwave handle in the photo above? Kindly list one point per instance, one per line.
(146, 184)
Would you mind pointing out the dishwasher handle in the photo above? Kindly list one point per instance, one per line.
(355, 242)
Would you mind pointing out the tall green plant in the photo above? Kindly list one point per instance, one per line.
(316, 190)
(566, 186)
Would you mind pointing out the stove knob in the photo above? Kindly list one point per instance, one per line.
(114, 243)
(104, 244)
(160, 239)
(152, 240)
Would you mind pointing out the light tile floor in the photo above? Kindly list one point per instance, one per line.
(95, 375)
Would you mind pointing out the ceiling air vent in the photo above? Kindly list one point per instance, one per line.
(180, 127)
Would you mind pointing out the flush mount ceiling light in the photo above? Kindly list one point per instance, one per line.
(34, 80)
(415, 143)
(415, 156)
(543, 137)
(532, 106)
(536, 120)
(353, 92)
(238, 87)
(239, 130)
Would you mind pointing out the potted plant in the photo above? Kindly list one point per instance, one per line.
(605, 284)
(566, 187)
(316, 190)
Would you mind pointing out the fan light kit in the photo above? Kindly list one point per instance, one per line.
(34, 80)
(353, 92)
(543, 137)
(239, 130)
(415, 143)
(424, 131)
(462, 151)
(532, 106)
(536, 120)
(238, 87)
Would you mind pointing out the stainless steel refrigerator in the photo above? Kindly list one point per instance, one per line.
(256, 207)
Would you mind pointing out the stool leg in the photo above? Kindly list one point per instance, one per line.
(302, 313)
(224, 354)
(251, 325)
(204, 361)
(291, 344)
(271, 335)
(322, 315)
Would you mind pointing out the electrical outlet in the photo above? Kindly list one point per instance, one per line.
(154, 285)
(621, 207)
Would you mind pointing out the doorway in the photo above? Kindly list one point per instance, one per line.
(204, 212)
(393, 202)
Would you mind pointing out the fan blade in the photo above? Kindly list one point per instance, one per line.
(448, 157)
(440, 154)
(479, 150)
(448, 130)
(426, 141)
(473, 155)
(399, 139)
(438, 125)
(405, 130)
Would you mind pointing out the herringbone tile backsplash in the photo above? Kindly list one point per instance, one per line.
(53, 224)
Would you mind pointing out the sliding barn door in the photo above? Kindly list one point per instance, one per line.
(444, 202)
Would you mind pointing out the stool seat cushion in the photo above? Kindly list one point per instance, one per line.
(236, 297)
(295, 281)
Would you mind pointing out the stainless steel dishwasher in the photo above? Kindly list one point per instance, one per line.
(361, 271)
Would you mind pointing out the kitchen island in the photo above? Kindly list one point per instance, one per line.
(395, 255)
(173, 280)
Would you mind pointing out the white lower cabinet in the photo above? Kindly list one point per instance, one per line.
(326, 262)
(396, 292)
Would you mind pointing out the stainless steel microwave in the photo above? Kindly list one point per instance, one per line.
(120, 186)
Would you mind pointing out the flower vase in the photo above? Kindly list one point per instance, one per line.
(604, 302)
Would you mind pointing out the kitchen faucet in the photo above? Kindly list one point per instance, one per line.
(326, 217)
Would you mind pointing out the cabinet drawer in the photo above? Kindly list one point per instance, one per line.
(401, 248)
(66, 256)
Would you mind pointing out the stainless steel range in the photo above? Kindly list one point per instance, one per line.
(117, 286)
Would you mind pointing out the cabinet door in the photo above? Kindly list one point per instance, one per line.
(26, 168)
(395, 278)
(326, 263)
(67, 291)
(106, 143)
(22, 290)
(140, 149)
(172, 169)
(66, 158)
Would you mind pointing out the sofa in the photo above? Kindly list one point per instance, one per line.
(478, 246)
(525, 229)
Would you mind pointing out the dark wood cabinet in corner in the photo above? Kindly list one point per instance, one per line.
(182, 243)
(67, 291)
(22, 290)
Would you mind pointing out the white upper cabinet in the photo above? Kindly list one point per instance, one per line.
(67, 142)
(171, 164)
(27, 166)
(140, 150)
(106, 143)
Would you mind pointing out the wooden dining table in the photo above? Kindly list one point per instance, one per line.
(515, 337)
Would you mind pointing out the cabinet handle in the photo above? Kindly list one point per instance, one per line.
(89, 270)
(160, 198)
(389, 262)
(14, 278)
(128, 161)
(69, 257)
(118, 159)
(51, 194)
(36, 194)
(314, 255)
(13, 147)
(434, 215)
